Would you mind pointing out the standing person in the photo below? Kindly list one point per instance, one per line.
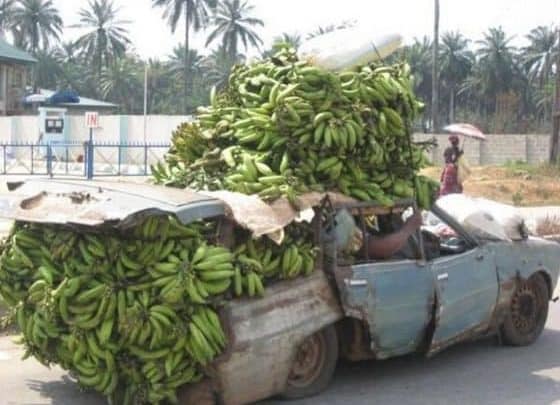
(450, 176)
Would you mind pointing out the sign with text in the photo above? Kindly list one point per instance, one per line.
(92, 119)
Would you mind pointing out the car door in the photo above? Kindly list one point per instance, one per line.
(394, 298)
(467, 292)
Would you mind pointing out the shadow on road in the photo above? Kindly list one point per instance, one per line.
(480, 372)
(63, 392)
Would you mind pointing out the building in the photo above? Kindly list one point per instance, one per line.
(15, 66)
(73, 107)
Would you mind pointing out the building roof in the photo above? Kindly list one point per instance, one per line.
(12, 54)
(84, 101)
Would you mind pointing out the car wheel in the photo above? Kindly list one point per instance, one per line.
(314, 365)
(527, 313)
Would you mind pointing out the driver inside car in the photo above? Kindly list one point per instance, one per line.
(389, 238)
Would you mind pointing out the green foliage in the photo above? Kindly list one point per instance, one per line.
(106, 39)
(491, 83)
(233, 24)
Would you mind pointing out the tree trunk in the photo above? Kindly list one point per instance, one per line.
(187, 62)
(233, 51)
(435, 81)
(554, 140)
(452, 105)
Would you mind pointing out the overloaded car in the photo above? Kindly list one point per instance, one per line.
(450, 287)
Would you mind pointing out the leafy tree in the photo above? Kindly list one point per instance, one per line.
(233, 24)
(540, 56)
(195, 14)
(6, 15)
(106, 39)
(36, 23)
(217, 67)
(48, 72)
(120, 83)
(284, 40)
(456, 62)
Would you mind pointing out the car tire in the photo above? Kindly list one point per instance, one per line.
(527, 313)
(314, 365)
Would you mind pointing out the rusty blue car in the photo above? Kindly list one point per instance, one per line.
(288, 342)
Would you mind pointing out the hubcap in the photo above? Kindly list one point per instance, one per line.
(309, 361)
(525, 309)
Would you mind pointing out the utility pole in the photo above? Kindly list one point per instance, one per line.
(435, 68)
(554, 140)
(145, 99)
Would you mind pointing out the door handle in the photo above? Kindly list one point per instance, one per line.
(356, 283)
(480, 257)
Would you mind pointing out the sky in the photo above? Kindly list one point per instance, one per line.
(410, 18)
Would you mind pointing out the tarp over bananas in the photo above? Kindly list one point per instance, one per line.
(284, 127)
(133, 314)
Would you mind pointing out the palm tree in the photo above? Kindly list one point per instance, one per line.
(419, 57)
(177, 62)
(47, 73)
(217, 67)
(120, 82)
(498, 68)
(456, 61)
(159, 80)
(291, 40)
(67, 52)
(196, 14)
(107, 38)
(282, 41)
(233, 24)
(540, 55)
(6, 15)
(36, 22)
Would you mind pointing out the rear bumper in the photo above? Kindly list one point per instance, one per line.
(265, 333)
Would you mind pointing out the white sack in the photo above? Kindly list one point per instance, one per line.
(484, 218)
(349, 47)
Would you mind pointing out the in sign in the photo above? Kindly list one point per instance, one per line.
(92, 119)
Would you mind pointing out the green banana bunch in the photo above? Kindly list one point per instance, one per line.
(283, 127)
(118, 309)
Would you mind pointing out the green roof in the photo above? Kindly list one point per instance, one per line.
(12, 54)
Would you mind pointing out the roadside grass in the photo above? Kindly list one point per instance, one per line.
(548, 226)
(515, 183)
(520, 168)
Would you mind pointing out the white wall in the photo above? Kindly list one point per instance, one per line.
(158, 127)
(114, 128)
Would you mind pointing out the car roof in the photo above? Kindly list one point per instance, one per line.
(95, 203)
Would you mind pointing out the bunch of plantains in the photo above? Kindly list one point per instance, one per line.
(132, 314)
(283, 127)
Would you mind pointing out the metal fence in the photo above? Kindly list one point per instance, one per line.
(80, 159)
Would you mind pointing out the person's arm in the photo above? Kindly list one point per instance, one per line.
(386, 246)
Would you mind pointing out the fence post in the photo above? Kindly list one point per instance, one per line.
(32, 147)
(119, 157)
(145, 159)
(49, 160)
(90, 155)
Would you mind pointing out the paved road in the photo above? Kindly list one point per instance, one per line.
(473, 373)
